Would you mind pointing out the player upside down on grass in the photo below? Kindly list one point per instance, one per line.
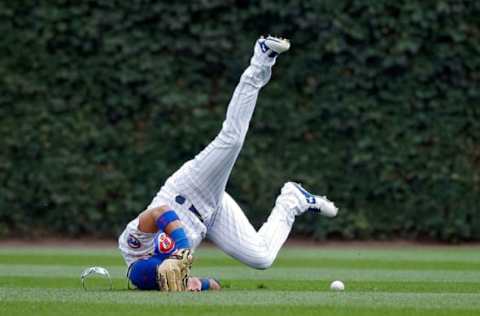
(192, 204)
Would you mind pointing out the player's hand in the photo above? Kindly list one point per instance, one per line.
(173, 272)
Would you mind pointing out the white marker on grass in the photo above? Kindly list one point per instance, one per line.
(337, 286)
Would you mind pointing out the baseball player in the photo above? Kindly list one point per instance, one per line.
(192, 204)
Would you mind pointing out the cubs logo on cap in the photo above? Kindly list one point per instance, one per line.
(133, 242)
(165, 244)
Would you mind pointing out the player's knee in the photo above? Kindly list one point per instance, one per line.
(263, 265)
(237, 142)
(234, 141)
(232, 138)
(261, 262)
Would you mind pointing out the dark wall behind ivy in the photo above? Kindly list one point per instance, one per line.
(376, 105)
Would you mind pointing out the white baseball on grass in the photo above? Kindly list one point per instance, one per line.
(337, 286)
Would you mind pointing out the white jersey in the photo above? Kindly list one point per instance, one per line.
(196, 192)
(135, 244)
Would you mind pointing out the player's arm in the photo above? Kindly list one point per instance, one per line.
(173, 273)
(164, 219)
(196, 284)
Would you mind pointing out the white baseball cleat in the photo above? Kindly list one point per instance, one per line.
(309, 202)
(267, 49)
(277, 45)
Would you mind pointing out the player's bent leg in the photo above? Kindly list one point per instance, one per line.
(232, 232)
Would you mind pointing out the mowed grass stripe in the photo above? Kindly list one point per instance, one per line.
(109, 309)
(420, 253)
(273, 285)
(249, 298)
(223, 272)
(66, 260)
(206, 261)
(53, 251)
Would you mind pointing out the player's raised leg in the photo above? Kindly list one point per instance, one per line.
(232, 232)
(211, 168)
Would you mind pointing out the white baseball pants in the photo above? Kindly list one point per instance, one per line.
(203, 180)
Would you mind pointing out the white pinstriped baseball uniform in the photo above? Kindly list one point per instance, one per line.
(197, 190)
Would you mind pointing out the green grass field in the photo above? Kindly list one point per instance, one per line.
(400, 281)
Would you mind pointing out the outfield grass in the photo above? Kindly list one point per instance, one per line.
(399, 281)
